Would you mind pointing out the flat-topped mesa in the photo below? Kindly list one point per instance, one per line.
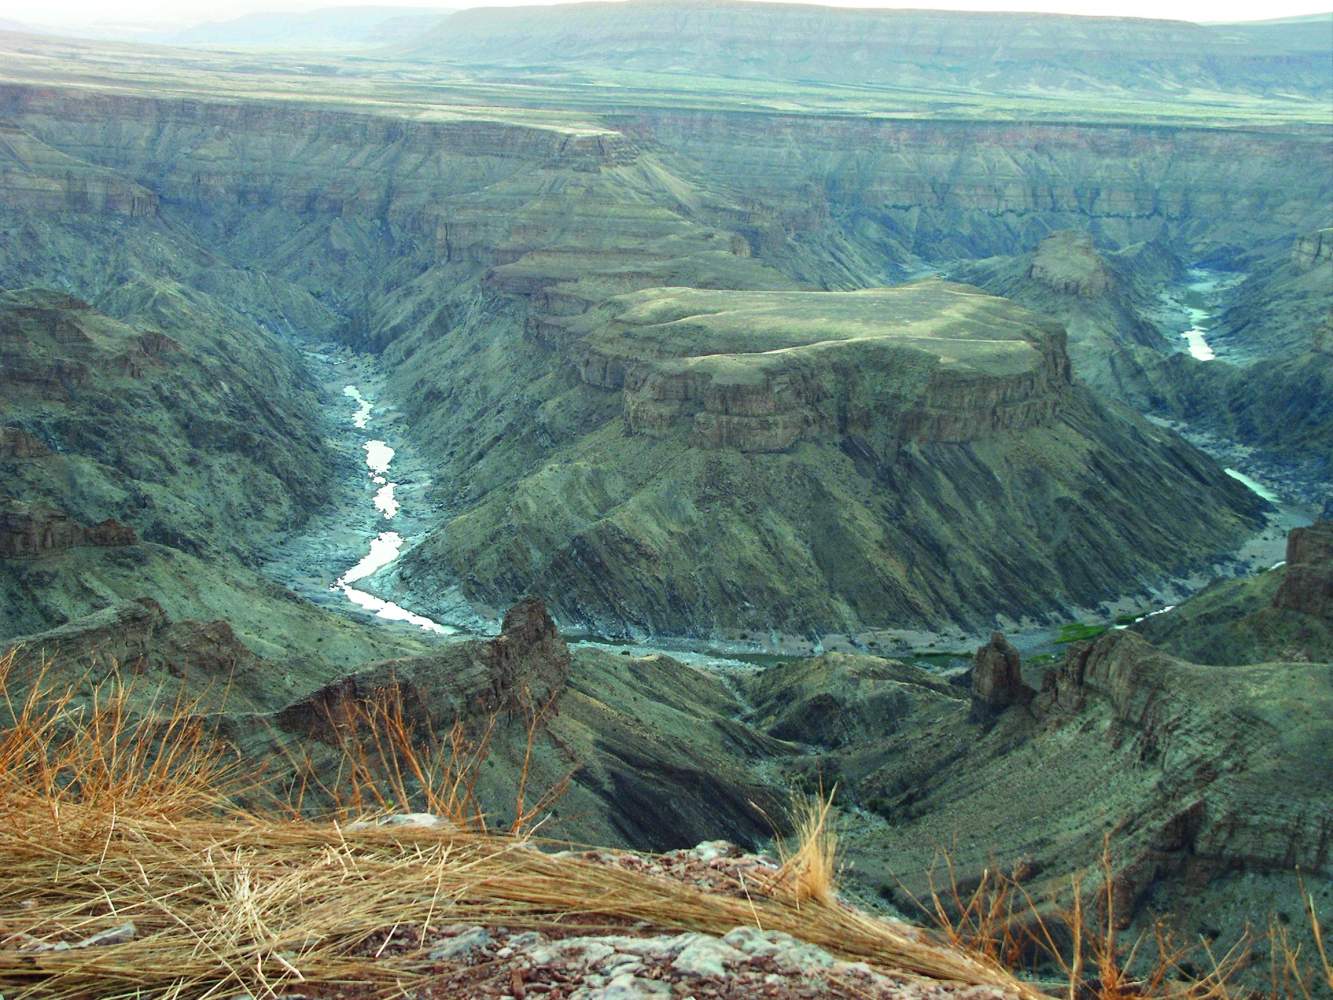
(760, 371)
(1068, 262)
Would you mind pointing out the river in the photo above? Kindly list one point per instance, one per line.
(387, 545)
(1199, 302)
(382, 508)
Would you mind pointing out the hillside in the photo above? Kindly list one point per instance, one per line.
(937, 50)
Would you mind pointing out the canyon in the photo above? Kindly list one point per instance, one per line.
(703, 411)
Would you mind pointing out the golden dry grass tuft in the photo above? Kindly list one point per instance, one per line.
(107, 819)
(998, 919)
(809, 868)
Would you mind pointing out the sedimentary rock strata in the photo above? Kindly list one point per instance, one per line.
(27, 532)
(1308, 584)
(760, 371)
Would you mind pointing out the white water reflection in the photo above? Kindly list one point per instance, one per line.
(384, 501)
(1150, 614)
(363, 406)
(1254, 486)
(1200, 302)
(386, 546)
(1198, 344)
(378, 457)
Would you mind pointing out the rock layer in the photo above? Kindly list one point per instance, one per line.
(759, 371)
(28, 532)
(1308, 586)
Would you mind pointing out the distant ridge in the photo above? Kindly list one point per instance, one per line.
(326, 27)
(996, 52)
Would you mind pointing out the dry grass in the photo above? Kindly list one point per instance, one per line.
(1292, 974)
(999, 920)
(809, 869)
(106, 820)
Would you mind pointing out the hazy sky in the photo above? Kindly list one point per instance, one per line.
(192, 11)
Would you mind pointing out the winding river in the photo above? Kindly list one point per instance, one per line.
(376, 517)
(387, 545)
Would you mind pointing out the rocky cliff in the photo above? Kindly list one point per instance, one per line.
(28, 532)
(1313, 249)
(1198, 775)
(1308, 586)
(760, 371)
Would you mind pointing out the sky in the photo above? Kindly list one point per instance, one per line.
(183, 12)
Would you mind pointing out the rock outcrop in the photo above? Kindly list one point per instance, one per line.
(528, 661)
(1312, 249)
(1067, 262)
(16, 443)
(203, 659)
(1308, 584)
(1200, 775)
(518, 673)
(28, 532)
(1232, 786)
(997, 680)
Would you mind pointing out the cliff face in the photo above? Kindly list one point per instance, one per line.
(36, 177)
(946, 189)
(883, 375)
(27, 532)
(1313, 249)
(1308, 584)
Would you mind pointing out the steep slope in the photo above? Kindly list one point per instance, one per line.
(1200, 776)
(1106, 301)
(205, 442)
(1285, 302)
(912, 456)
(1284, 614)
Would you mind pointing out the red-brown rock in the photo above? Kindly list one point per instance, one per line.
(997, 679)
